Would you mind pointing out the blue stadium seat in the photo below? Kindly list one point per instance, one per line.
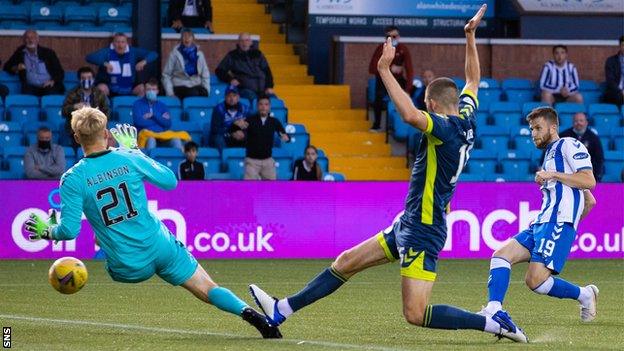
(80, 15)
(232, 152)
(618, 142)
(487, 96)
(523, 143)
(494, 143)
(520, 96)
(107, 14)
(333, 177)
(517, 83)
(481, 166)
(498, 130)
(460, 82)
(193, 128)
(217, 89)
(607, 124)
(173, 105)
(511, 120)
(527, 107)
(481, 154)
(516, 167)
(198, 114)
(52, 100)
(277, 103)
(210, 158)
(591, 97)
(52, 114)
(468, 176)
(588, 85)
(198, 108)
(280, 115)
(22, 108)
(123, 114)
(488, 83)
(236, 167)
(283, 163)
(168, 156)
(504, 107)
(605, 141)
(604, 109)
(569, 107)
(11, 134)
(14, 157)
(43, 13)
(14, 14)
(22, 100)
(299, 140)
(70, 157)
(125, 100)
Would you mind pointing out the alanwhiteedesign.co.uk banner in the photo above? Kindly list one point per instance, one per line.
(313, 220)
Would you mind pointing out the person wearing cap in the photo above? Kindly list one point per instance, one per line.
(186, 72)
(224, 115)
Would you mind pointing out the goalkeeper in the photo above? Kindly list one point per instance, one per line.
(107, 185)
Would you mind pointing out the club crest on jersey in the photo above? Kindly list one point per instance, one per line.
(580, 155)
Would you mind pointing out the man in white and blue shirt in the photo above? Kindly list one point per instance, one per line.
(559, 81)
(566, 179)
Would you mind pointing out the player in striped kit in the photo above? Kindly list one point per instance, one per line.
(566, 179)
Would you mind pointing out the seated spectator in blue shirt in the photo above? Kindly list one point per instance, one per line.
(224, 115)
(152, 120)
(118, 67)
(38, 67)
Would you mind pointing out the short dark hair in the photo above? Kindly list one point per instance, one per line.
(44, 129)
(389, 29)
(559, 46)
(264, 97)
(191, 145)
(546, 112)
(152, 81)
(120, 34)
(444, 91)
(84, 69)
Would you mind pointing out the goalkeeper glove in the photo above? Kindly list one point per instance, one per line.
(126, 136)
(38, 229)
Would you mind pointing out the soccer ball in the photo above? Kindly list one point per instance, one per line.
(68, 275)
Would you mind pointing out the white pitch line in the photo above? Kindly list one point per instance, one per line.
(142, 328)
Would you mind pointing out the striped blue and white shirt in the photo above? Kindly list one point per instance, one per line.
(555, 77)
(561, 203)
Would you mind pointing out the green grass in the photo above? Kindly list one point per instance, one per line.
(364, 314)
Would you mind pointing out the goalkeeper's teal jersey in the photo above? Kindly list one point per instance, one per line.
(108, 187)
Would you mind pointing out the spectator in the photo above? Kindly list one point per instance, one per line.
(228, 112)
(306, 168)
(190, 14)
(591, 141)
(614, 75)
(191, 169)
(38, 67)
(247, 69)
(83, 95)
(260, 129)
(44, 160)
(559, 81)
(118, 67)
(152, 120)
(401, 69)
(427, 77)
(186, 72)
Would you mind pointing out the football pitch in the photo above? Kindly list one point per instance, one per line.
(365, 314)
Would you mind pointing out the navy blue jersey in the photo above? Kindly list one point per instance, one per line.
(442, 155)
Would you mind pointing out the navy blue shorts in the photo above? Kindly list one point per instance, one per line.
(417, 245)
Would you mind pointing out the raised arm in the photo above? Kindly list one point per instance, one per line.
(409, 113)
(473, 69)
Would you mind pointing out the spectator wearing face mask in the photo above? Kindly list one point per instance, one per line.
(44, 160)
(153, 122)
(580, 132)
(85, 94)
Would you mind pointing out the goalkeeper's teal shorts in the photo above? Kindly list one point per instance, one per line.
(170, 260)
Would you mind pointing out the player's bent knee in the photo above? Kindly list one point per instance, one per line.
(535, 280)
(345, 263)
